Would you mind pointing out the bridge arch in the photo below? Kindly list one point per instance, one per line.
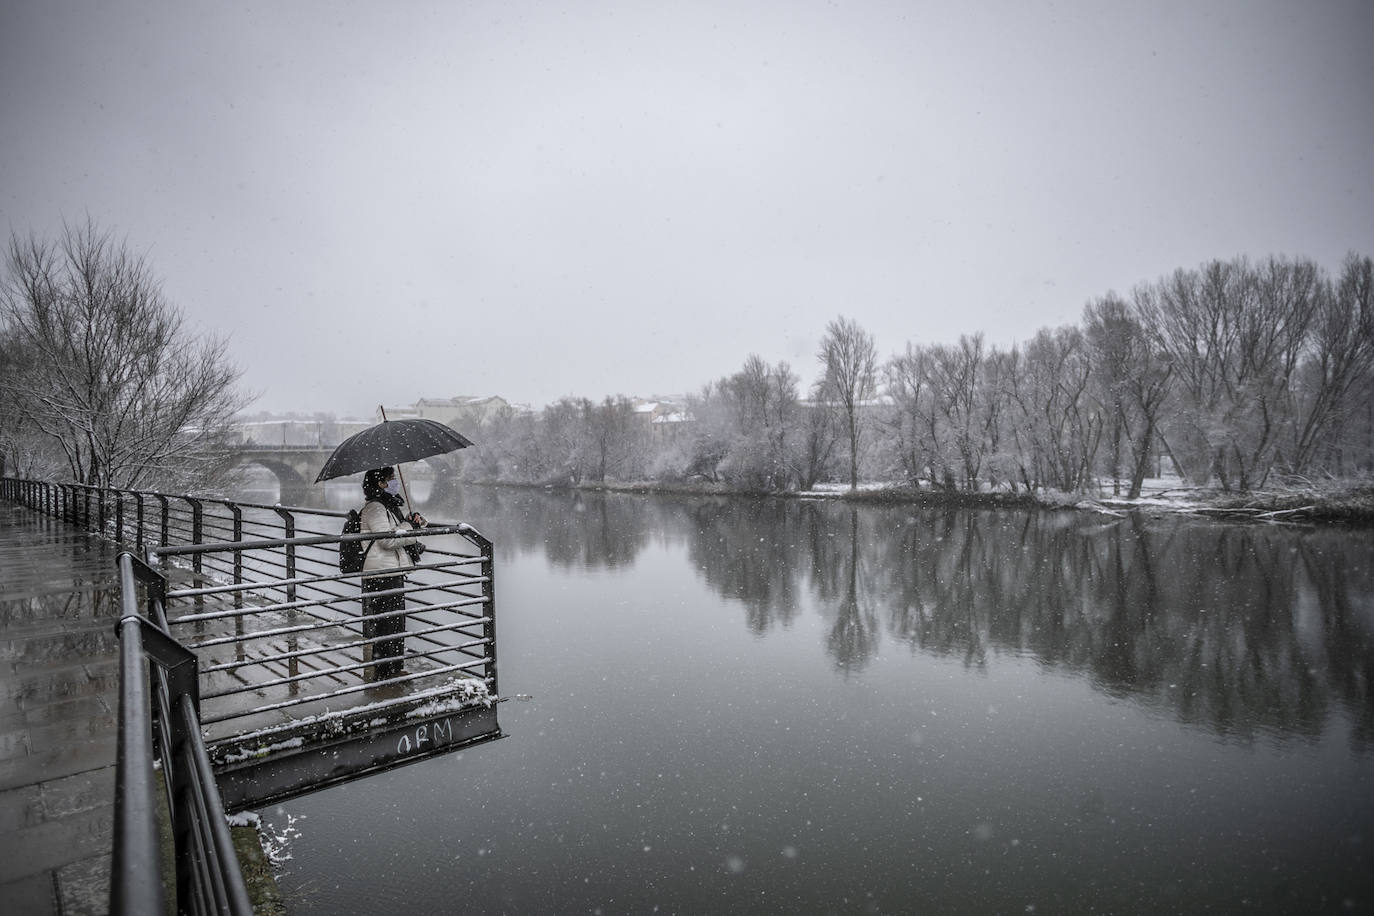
(293, 486)
(295, 468)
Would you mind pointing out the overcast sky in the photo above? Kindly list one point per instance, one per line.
(387, 201)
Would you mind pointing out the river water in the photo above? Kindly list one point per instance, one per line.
(786, 706)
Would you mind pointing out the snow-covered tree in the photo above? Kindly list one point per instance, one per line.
(849, 363)
(1234, 335)
(104, 369)
(1333, 386)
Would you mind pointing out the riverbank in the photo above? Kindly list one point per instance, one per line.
(1346, 503)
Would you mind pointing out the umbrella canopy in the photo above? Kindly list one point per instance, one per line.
(391, 442)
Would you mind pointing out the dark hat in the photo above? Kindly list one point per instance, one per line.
(374, 481)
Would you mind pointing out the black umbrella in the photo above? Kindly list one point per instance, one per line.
(389, 443)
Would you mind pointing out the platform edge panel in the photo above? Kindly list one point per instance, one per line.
(324, 754)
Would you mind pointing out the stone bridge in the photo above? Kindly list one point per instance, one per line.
(295, 467)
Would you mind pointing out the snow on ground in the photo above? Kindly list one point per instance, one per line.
(838, 489)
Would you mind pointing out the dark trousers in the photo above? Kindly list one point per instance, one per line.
(384, 626)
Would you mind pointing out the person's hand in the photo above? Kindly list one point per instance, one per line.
(417, 520)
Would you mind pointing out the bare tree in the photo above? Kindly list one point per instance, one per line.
(1108, 327)
(761, 402)
(1341, 363)
(561, 441)
(912, 423)
(1063, 433)
(1131, 383)
(849, 360)
(1234, 335)
(819, 434)
(956, 379)
(112, 377)
(709, 439)
(615, 438)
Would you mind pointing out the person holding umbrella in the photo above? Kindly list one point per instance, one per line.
(385, 556)
(381, 447)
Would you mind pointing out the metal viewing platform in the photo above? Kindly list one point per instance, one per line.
(266, 681)
(286, 668)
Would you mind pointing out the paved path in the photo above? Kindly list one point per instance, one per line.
(59, 682)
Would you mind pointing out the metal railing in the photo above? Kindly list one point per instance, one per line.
(208, 877)
(260, 644)
(277, 649)
(142, 518)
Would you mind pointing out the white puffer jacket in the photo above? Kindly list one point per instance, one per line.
(385, 554)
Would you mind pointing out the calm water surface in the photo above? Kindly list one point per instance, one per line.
(804, 707)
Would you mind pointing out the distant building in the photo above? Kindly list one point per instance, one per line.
(664, 419)
(645, 411)
(295, 431)
(458, 412)
(667, 426)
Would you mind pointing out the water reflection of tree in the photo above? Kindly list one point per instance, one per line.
(853, 637)
(1244, 630)
(1341, 588)
(1205, 620)
(745, 550)
(570, 527)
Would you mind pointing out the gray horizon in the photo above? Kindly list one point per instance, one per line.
(536, 201)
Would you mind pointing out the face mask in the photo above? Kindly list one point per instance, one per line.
(393, 486)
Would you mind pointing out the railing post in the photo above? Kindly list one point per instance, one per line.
(197, 523)
(197, 528)
(289, 524)
(292, 643)
(162, 525)
(119, 516)
(489, 628)
(138, 521)
(238, 553)
(101, 495)
(197, 538)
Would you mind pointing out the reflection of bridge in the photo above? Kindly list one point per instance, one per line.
(296, 466)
